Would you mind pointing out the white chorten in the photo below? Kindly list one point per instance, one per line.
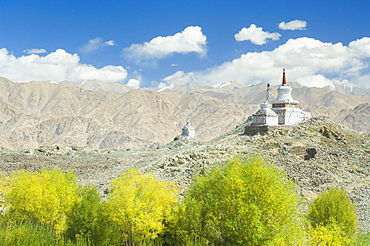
(265, 115)
(188, 131)
(284, 106)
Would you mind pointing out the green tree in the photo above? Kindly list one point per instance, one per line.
(89, 219)
(43, 197)
(246, 202)
(140, 205)
(333, 209)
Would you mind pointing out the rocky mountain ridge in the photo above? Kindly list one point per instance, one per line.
(35, 114)
(110, 115)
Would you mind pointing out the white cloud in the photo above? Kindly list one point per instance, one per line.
(57, 66)
(180, 77)
(307, 60)
(110, 43)
(34, 51)
(108, 73)
(256, 35)
(95, 44)
(191, 39)
(134, 83)
(293, 25)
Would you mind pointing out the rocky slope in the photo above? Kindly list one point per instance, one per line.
(316, 155)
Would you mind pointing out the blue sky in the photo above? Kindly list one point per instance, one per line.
(157, 43)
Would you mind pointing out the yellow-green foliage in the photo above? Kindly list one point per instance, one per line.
(141, 205)
(334, 210)
(362, 239)
(30, 234)
(329, 235)
(246, 202)
(25, 234)
(44, 197)
(89, 219)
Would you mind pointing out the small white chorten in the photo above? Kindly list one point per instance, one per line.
(188, 131)
(265, 115)
(284, 106)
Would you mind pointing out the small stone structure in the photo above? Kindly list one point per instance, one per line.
(283, 111)
(188, 131)
(265, 115)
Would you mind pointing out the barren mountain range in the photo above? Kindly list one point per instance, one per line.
(110, 115)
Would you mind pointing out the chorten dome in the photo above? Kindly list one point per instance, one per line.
(284, 98)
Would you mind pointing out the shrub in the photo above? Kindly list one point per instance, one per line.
(141, 206)
(43, 197)
(246, 202)
(333, 209)
(89, 219)
(329, 235)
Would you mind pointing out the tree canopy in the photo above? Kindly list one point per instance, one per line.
(141, 205)
(245, 202)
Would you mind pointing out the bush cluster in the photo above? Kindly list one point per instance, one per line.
(246, 201)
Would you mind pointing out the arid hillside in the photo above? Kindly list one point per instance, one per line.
(35, 114)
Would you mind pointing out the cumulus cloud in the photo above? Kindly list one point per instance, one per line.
(180, 77)
(293, 25)
(95, 44)
(57, 66)
(191, 39)
(307, 60)
(34, 51)
(134, 83)
(256, 35)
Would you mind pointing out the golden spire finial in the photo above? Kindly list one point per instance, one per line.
(284, 77)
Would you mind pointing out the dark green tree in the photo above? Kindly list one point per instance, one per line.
(89, 219)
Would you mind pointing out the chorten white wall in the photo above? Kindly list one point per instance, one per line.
(188, 131)
(291, 116)
(265, 116)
